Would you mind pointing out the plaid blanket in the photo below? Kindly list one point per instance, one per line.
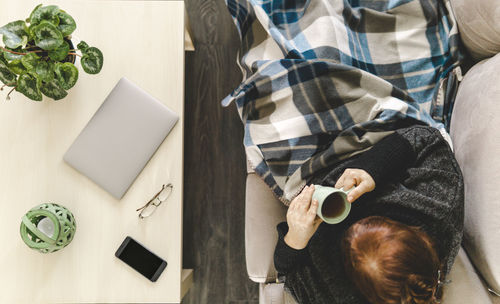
(325, 80)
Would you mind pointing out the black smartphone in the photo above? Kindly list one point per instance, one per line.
(141, 259)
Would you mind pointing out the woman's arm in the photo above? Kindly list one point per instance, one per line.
(435, 174)
(386, 160)
(294, 236)
(287, 258)
(430, 194)
(434, 191)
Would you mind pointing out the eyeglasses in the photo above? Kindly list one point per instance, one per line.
(156, 201)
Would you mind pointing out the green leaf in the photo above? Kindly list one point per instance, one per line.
(82, 46)
(47, 13)
(67, 24)
(9, 56)
(6, 75)
(47, 36)
(53, 90)
(15, 34)
(45, 71)
(30, 31)
(17, 67)
(92, 60)
(66, 74)
(29, 61)
(32, 12)
(29, 86)
(60, 53)
(24, 42)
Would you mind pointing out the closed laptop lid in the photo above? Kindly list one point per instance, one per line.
(121, 137)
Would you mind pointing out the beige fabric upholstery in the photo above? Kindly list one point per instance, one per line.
(271, 293)
(465, 286)
(263, 211)
(475, 129)
(479, 26)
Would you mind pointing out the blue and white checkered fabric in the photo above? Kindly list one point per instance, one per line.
(325, 80)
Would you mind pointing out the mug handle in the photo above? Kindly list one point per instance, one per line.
(347, 191)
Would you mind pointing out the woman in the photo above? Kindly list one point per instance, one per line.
(401, 237)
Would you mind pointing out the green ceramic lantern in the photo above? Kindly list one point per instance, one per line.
(48, 227)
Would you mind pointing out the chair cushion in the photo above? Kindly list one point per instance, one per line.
(478, 26)
(465, 286)
(474, 130)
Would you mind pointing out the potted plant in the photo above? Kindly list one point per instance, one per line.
(38, 56)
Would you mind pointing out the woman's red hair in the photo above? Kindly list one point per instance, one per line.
(390, 262)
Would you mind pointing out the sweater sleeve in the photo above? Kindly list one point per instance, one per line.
(286, 258)
(386, 160)
(435, 189)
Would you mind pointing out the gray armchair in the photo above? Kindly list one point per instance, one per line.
(474, 132)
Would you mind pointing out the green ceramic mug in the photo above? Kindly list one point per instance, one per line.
(333, 206)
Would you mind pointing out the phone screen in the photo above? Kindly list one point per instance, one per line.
(141, 259)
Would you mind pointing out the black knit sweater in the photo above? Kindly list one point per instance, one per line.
(417, 182)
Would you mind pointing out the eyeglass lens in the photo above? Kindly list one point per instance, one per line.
(163, 195)
(148, 210)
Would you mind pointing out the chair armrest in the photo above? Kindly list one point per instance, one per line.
(466, 285)
(478, 26)
(263, 211)
(474, 130)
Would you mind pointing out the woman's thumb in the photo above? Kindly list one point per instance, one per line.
(355, 193)
(317, 222)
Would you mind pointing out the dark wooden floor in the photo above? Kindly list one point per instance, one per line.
(214, 162)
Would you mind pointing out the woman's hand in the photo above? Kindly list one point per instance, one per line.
(302, 220)
(355, 177)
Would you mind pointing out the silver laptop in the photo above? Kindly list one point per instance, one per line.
(121, 137)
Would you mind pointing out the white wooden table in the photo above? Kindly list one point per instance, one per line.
(143, 41)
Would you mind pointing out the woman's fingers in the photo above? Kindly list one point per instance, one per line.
(308, 195)
(313, 208)
(317, 222)
(349, 178)
(340, 181)
(304, 198)
(349, 182)
(358, 178)
(297, 200)
(362, 188)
